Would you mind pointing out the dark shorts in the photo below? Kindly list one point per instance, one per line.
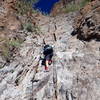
(47, 57)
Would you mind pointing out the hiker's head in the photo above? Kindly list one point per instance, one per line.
(47, 47)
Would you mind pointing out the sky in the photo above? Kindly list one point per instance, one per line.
(45, 6)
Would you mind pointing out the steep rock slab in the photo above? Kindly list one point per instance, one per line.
(74, 73)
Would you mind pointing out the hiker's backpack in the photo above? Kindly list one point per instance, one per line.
(47, 50)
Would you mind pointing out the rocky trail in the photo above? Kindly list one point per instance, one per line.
(74, 73)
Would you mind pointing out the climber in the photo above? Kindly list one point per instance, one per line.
(48, 53)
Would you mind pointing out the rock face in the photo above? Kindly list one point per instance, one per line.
(87, 25)
(13, 23)
(8, 19)
(73, 75)
(75, 71)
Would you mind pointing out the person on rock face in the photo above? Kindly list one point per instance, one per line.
(48, 53)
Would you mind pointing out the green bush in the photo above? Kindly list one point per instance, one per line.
(71, 7)
(31, 28)
(24, 6)
(8, 48)
(83, 3)
(14, 43)
(28, 27)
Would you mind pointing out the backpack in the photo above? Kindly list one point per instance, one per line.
(47, 50)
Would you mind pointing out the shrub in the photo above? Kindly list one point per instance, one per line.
(83, 3)
(71, 7)
(14, 43)
(8, 48)
(28, 27)
(31, 28)
(25, 6)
